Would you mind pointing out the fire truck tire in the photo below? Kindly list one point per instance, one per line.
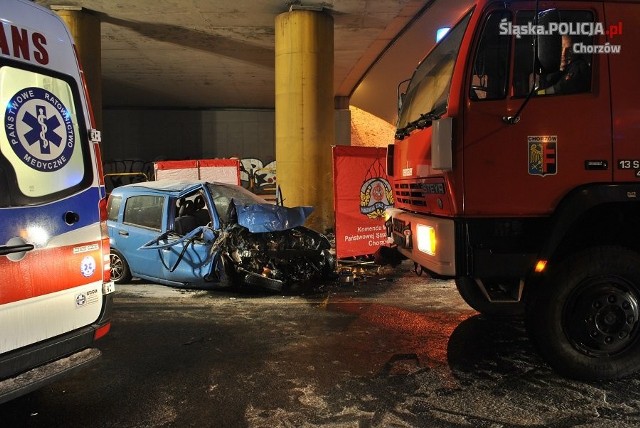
(120, 272)
(585, 317)
(471, 294)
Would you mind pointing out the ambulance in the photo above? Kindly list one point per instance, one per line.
(55, 287)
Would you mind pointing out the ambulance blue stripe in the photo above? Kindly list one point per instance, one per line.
(51, 215)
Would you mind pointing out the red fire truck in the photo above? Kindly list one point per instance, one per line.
(516, 170)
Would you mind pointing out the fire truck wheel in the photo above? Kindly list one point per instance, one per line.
(473, 296)
(120, 272)
(585, 318)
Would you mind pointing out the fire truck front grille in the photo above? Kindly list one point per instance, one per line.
(411, 194)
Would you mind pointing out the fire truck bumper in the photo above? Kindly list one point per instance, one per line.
(428, 241)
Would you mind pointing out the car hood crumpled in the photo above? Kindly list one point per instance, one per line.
(259, 218)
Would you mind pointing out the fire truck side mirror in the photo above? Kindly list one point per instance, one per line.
(549, 46)
(401, 94)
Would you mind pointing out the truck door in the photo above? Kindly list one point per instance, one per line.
(561, 141)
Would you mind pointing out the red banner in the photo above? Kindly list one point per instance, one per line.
(362, 192)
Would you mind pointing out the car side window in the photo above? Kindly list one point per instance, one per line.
(574, 73)
(491, 62)
(145, 211)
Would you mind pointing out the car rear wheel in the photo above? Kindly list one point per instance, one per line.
(120, 272)
(585, 318)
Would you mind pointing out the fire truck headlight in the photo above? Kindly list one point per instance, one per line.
(426, 239)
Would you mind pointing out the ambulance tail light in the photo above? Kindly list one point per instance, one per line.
(426, 239)
(104, 233)
(102, 331)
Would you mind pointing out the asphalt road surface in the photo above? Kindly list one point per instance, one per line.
(389, 350)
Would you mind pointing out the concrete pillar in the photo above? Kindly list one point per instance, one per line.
(84, 26)
(304, 111)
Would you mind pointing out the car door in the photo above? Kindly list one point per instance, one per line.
(143, 218)
(187, 256)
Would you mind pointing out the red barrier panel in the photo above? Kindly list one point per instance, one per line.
(221, 170)
(361, 194)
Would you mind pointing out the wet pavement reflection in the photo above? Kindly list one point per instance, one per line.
(390, 349)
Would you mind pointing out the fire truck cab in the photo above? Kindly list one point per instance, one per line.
(516, 171)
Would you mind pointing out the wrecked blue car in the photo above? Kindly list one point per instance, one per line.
(197, 234)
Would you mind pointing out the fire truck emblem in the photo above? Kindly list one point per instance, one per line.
(40, 130)
(543, 155)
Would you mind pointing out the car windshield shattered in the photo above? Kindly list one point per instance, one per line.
(225, 192)
(211, 235)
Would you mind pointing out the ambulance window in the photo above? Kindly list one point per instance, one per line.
(491, 63)
(572, 72)
(41, 137)
(145, 211)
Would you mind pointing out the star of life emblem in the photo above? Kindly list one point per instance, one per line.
(40, 129)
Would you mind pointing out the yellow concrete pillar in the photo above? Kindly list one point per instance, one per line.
(84, 26)
(304, 112)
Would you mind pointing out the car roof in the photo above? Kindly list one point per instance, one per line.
(161, 186)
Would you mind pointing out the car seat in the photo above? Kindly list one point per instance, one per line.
(185, 222)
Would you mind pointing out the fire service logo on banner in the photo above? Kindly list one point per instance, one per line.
(375, 193)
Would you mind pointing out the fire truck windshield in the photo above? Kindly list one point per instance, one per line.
(428, 91)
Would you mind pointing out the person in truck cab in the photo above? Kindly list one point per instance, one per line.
(574, 75)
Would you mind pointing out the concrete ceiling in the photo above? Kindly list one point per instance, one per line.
(220, 54)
